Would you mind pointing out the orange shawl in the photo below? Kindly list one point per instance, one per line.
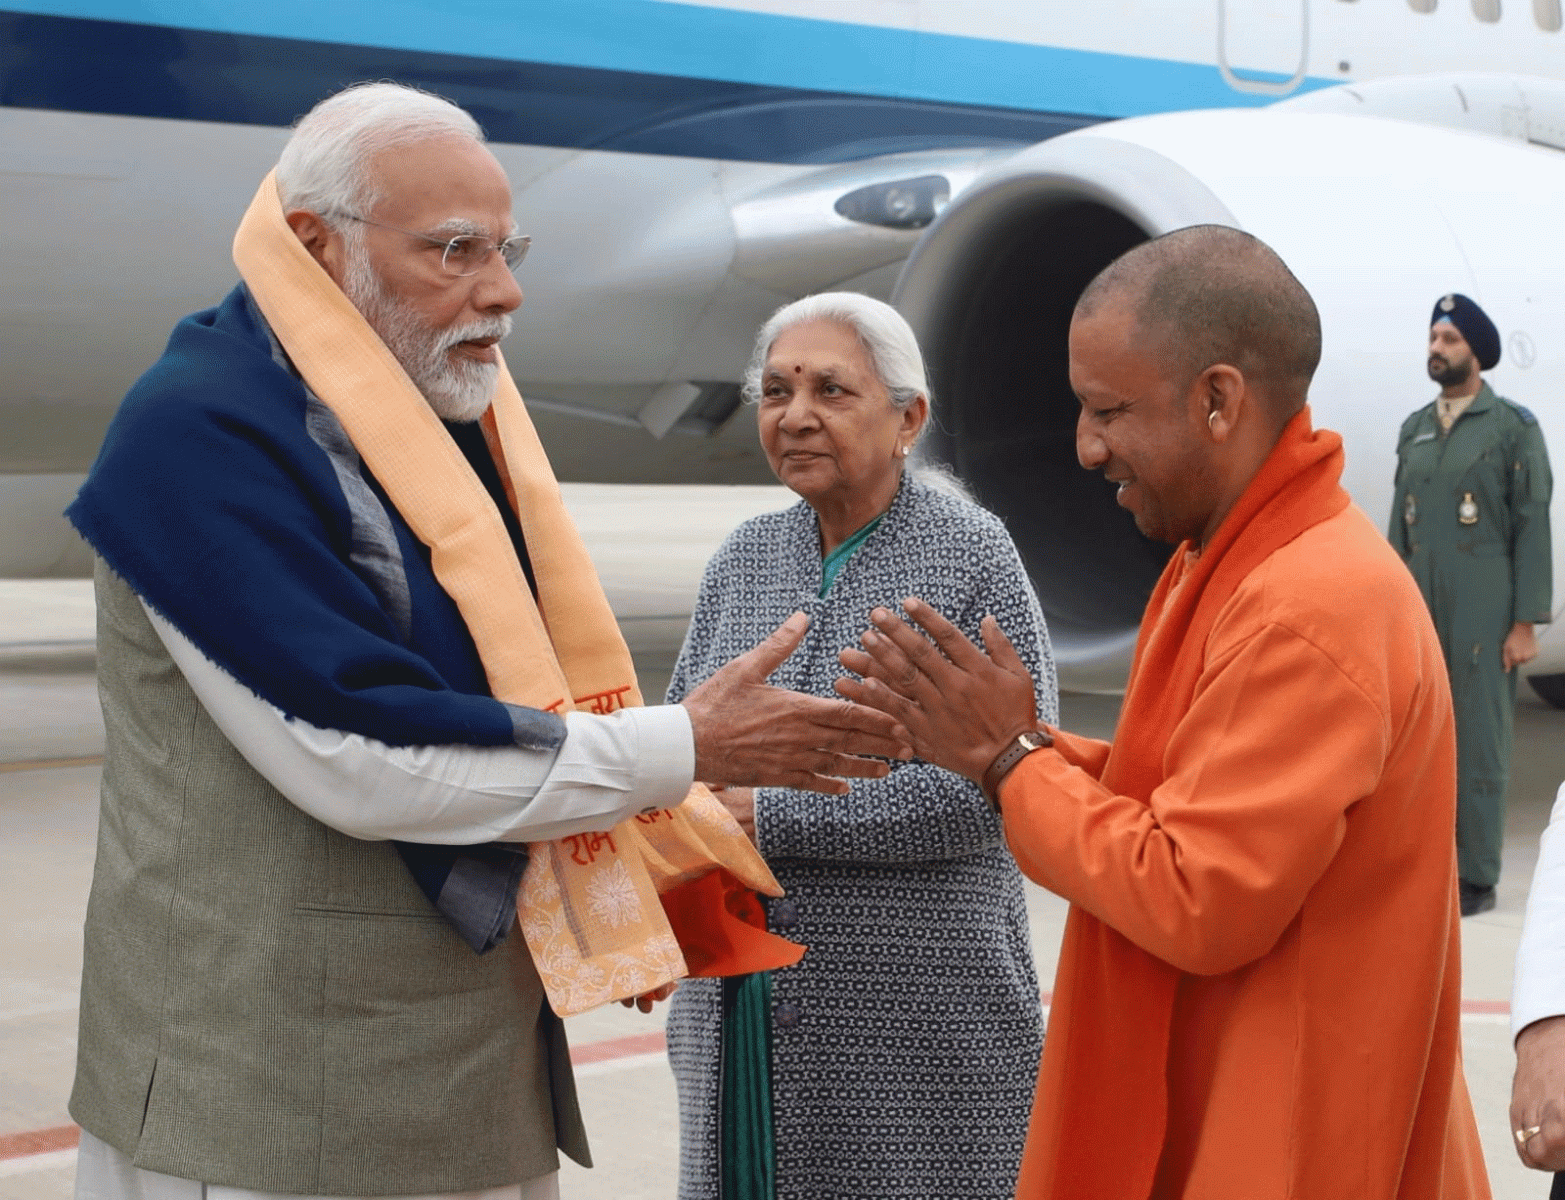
(1113, 1001)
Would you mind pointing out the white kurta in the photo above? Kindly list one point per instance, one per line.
(1539, 990)
(608, 768)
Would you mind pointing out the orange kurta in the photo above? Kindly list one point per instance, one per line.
(1258, 993)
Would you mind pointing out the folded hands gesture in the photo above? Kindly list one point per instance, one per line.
(961, 705)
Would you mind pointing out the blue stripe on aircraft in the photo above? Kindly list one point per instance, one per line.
(77, 65)
(658, 38)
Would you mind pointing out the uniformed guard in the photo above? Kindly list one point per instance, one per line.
(1471, 520)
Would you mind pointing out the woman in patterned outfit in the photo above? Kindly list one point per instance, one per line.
(904, 1047)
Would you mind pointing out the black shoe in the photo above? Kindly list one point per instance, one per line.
(1475, 899)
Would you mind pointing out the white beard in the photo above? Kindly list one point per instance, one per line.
(457, 388)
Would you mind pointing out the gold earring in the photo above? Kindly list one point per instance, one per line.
(1210, 417)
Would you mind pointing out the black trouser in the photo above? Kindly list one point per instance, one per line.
(1557, 1192)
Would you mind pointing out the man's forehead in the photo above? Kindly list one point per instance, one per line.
(1112, 357)
(1106, 332)
(1094, 367)
(443, 179)
(1446, 325)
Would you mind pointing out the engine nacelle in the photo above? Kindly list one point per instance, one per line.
(1377, 217)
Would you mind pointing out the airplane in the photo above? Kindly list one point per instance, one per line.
(686, 167)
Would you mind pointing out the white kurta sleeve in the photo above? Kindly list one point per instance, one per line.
(1539, 990)
(607, 769)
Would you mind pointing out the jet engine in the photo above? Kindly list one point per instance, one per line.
(1378, 217)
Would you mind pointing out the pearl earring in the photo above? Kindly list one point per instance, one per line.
(905, 449)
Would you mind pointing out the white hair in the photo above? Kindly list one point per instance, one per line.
(941, 477)
(885, 334)
(324, 168)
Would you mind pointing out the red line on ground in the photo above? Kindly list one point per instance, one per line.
(1486, 1006)
(38, 1141)
(63, 1137)
(622, 1047)
(50, 764)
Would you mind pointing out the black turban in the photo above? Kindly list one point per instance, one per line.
(1474, 325)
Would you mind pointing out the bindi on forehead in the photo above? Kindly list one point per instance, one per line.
(820, 372)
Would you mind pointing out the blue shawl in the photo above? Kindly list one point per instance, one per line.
(231, 501)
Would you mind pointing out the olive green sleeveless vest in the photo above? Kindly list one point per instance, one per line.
(270, 1004)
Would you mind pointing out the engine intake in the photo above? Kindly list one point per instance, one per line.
(1367, 213)
(990, 292)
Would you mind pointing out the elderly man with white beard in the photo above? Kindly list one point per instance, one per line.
(364, 702)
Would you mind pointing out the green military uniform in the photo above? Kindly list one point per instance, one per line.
(1471, 520)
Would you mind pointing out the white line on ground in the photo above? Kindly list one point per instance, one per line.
(629, 1063)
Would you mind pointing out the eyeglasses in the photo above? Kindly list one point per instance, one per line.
(466, 253)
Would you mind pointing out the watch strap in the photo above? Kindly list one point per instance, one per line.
(1018, 748)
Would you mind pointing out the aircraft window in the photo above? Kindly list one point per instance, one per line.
(1547, 14)
(1487, 11)
(1423, 6)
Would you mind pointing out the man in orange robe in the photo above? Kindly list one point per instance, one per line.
(1258, 991)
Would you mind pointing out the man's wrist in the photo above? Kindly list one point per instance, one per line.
(1543, 1029)
(1017, 747)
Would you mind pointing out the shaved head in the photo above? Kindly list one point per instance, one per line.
(1190, 354)
(1210, 294)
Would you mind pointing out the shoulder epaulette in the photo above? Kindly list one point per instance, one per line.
(1524, 413)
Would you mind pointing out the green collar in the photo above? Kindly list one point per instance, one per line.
(832, 564)
(1483, 401)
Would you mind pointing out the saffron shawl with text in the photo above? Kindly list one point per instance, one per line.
(589, 905)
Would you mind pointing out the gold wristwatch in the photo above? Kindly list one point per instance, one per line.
(1018, 748)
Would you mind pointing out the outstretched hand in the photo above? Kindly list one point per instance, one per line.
(750, 734)
(960, 705)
